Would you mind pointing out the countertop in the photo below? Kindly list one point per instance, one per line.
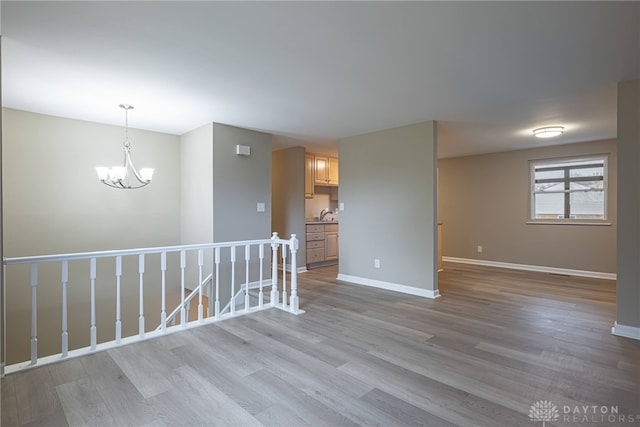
(313, 222)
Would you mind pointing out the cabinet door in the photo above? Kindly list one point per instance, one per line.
(331, 245)
(322, 170)
(309, 175)
(333, 171)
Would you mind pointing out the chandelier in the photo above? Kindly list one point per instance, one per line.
(125, 177)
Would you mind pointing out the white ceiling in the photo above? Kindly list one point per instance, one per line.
(488, 72)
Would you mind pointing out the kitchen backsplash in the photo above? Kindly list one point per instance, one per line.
(321, 200)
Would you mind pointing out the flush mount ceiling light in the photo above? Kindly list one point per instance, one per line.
(548, 132)
(125, 177)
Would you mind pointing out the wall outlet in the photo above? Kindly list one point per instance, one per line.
(376, 263)
(479, 249)
(341, 206)
(260, 207)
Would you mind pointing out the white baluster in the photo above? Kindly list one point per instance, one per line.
(163, 313)
(93, 330)
(34, 314)
(141, 318)
(233, 279)
(183, 313)
(284, 275)
(261, 256)
(118, 299)
(200, 263)
(247, 257)
(274, 269)
(65, 333)
(295, 302)
(217, 261)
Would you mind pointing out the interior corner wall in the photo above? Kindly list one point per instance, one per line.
(387, 185)
(628, 284)
(484, 200)
(288, 197)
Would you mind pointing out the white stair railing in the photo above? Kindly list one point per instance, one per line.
(221, 278)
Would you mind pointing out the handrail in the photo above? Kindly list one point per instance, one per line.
(136, 251)
(187, 300)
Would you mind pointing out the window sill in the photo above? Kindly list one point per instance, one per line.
(590, 223)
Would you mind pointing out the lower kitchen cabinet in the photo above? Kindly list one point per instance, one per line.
(322, 244)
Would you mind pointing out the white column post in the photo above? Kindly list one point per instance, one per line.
(65, 333)
(183, 313)
(141, 318)
(118, 299)
(261, 256)
(233, 280)
(274, 269)
(284, 275)
(295, 302)
(163, 313)
(247, 257)
(200, 264)
(217, 261)
(34, 314)
(93, 332)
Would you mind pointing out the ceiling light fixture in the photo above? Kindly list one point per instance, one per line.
(548, 132)
(123, 176)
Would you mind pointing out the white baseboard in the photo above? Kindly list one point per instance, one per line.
(287, 268)
(427, 293)
(538, 268)
(626, 331)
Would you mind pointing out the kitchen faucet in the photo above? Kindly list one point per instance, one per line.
(324, 213)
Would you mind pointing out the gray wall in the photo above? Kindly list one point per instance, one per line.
(484, 200)
(628, 286)
(387, 185)
(196, 185)
(288, 197)
(54, 203)
(239, 183)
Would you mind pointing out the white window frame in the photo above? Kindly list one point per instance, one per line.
(604, 158)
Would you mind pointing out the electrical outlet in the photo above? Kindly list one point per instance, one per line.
(260, 207)
(479, 249)
(376, 263)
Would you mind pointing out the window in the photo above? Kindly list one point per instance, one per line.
(569, 189)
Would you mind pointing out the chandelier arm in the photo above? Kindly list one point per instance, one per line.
(133, 168)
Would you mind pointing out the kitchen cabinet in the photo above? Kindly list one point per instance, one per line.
(309, 175)
(322, 244)
(325, 170)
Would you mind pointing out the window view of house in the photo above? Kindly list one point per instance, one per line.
(569, 189)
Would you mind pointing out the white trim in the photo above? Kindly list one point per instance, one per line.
(303, 269)
(427, 293)
(626, 331)
(538, 268)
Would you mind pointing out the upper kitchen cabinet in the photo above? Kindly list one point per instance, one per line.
(326, 170)
(309, 175)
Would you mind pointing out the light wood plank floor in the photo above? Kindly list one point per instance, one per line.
(495, 343)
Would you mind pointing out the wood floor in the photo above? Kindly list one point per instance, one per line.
(495, 343)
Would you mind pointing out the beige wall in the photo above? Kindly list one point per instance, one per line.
(484, 200)
(54, 203)
(387, 185)
(288, 197)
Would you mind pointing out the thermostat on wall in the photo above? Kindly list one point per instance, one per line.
(243, 150)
